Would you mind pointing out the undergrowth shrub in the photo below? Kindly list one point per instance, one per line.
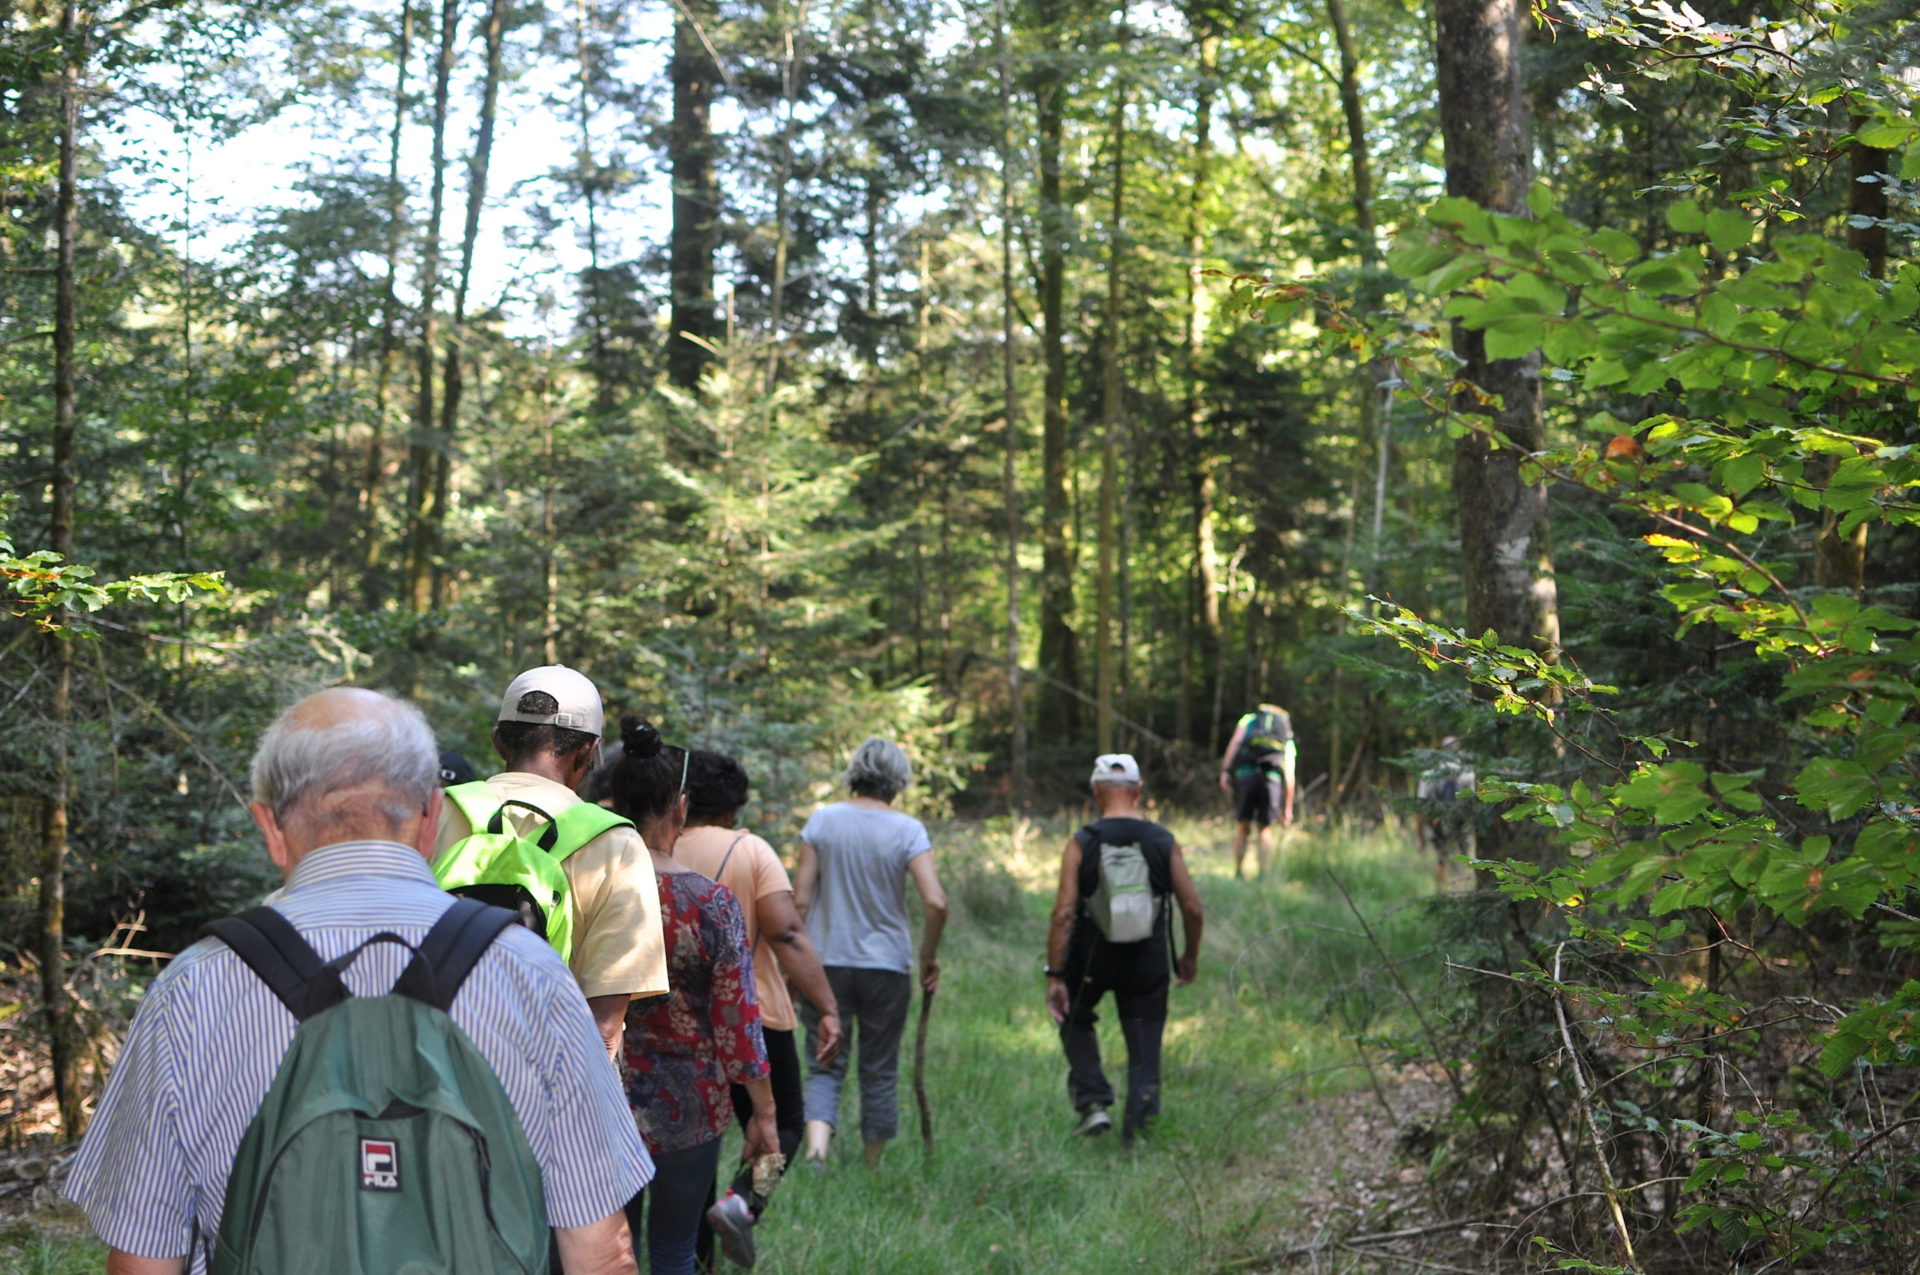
(1682, 1021)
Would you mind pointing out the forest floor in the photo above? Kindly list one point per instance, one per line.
(1281, 1143)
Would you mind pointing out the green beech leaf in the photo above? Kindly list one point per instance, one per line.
(1885, 134)
(1741, 474)
(1842, 788)
(1686, 217)
(1728, 230)
(1514, 337)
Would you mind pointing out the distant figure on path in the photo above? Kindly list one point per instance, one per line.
(713, 844)
(1443, 822)
(1111, 933)
(851, 889)
(1257, 772)
(548, 734)
(684, 1050)
(346, 788)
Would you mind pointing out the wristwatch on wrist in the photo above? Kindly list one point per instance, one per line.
(1051, 972)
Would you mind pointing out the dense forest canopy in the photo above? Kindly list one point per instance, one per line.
(1017, 379)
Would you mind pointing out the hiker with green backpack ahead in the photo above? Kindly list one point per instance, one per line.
(1257, 772)
(501, 840)
(368, 1076)
(1111, 932)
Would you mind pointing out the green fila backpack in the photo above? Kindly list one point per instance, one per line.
(1123, 906)
(500, 867)
(385, 1143)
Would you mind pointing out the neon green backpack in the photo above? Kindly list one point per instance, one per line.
(502, 868)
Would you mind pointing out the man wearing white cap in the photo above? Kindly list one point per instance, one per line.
(548, 734)
(1111, 933)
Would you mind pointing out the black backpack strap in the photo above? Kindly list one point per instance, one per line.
(544, 838)
(269, 946)
(727, 858)
(450, 950)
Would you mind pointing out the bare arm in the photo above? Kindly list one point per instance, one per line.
(806, 875)
(776, 917)
(610, 1016)
(119, 1263)
(1066, 902)
(598, 1248)
(1226, 758)
(1191, 919)
(933, 901)
(763, 1137)
(1286, 774)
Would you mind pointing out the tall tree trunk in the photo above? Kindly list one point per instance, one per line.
(549, 528)
(589, 178)
(1059, 715)
(1110, 414)
(783, 186)
(1201, 618)
(1505, 556)
(1216, 721)
(696, 195)
(370, 563)
(1840, 558)
(1010, 409)
(1374, 424)
(1357, 150)
(418, 583)
(63, 1040)
(478, 164)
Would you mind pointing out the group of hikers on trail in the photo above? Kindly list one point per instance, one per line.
(501, 1024)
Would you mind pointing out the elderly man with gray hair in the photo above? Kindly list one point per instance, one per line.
(347, 796)
(855, 858)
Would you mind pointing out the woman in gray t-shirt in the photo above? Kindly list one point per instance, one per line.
(851, 888)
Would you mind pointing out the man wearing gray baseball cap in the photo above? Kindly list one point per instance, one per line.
(548, 733)
(1111, 932)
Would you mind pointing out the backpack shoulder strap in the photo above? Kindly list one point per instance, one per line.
(449, 952)
(269, 946)
(727, 858)
(477, 801)
(581, 823)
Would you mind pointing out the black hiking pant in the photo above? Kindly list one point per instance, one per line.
(789, 1121)
(1138, 975)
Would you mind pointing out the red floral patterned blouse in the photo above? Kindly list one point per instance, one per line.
(685, 1048)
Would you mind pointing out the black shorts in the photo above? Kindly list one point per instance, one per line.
(1257, 797)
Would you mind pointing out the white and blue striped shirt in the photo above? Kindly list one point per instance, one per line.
(209, 1036)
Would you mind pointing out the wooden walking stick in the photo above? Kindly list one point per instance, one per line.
(920, 1073)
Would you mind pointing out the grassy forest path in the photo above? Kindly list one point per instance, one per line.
(1266, 1103)
(1271, 1123)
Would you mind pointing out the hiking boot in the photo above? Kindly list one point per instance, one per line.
(1093, 1122)
(732, 1221)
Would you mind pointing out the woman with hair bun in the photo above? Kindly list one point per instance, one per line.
(684, 1049)
(851, 888)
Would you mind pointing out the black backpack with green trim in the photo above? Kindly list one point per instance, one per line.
(1267, 735)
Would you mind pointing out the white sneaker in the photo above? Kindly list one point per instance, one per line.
(1093, 1123)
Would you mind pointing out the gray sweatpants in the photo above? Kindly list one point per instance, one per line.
(873, 1016)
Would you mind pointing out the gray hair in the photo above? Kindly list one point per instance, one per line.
(391, 748)
(879, 769)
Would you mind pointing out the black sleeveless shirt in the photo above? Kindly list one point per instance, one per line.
(1156, 844)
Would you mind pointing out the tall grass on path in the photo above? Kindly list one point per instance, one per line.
(1286, 981)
